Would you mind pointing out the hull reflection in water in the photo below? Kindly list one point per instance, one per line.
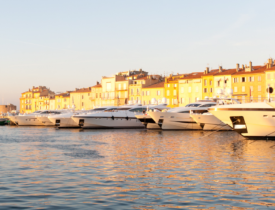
(46, 168)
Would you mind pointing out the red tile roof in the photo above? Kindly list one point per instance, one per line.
(82, 90)
(157, 85)
(98, 85)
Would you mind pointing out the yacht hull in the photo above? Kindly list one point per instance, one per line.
(45, 121)
(174, 121)
(252, 123)
(108, 122)
(64, 122)
(26, 120)
(209, 122)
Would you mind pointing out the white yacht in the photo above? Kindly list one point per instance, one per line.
(251, 120)
(147, 120)
(121, 117)
(43, 116)
(26, 119)
(65, 120)
(207, 121)
(179, 118)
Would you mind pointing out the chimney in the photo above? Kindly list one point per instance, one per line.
(220, 69)
(250, 66)
(242, 67)
(170, 75)
(237, 67)
(97, 82)
(207, 70)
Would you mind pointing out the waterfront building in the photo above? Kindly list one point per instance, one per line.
(223, 82)
(136, 92)
(96, 91)
(190, 88)
(115, 89)
(270, 78)
(52, 102)
(248, 83)
(7, 108)
(35, 99)
(62, 101)
(172, 89)
(80, 99)
(155, 91)
(208, 83)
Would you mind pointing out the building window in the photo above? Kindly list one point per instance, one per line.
(259, 98)
(259, 78)
(119, 86)
(168, 92)
(82, 103)
(168, 101)
(205, 82)
(124, 86)
(259, 88)
(182, 89)
(235, 80)
(189, 89)
(210, 82)
(243, 88)
(148, 92)
(132, 91)
(211, 90)
(168, 85)
(205, 90)
(175, 85)
(158, 92)
(235, 89)
(82, 96)
(219, 83)
(251, 88)
(243, 79)
(65, 99)
(197, 89)
(268, 76)
(175, 92)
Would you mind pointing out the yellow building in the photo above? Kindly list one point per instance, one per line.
(249, 83)
(80, 99)
(135, 88)
(155, 91)
(223, 82)
(172, 89)
(270, 78)
(190, 88)
(208, 83)
(96, 95)
(35, 99)
(115, 89)
(62, 101)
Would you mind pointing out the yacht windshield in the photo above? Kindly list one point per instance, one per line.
(110, 110)
(192, 105)
(98, 109)
(138, 110)
(124, 108)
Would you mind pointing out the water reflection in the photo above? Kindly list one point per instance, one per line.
(134, 169)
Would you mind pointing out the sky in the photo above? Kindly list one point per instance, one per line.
(69, 44)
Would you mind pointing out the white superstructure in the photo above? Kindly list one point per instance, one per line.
(251, 120)
(26, 119)
(122, 117)
(65, 120)
(207, 121)
(179, 118)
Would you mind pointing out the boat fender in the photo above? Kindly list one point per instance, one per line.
(113, 118)
(127, 118)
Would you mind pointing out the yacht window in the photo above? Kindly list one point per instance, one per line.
(138, 110)
(126, 108)
(207, 105)
(184, 112)
(110, 110)
(99, 109)
(192, 105)
(265, 115)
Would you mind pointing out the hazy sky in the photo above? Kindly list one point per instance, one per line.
(65, 44)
